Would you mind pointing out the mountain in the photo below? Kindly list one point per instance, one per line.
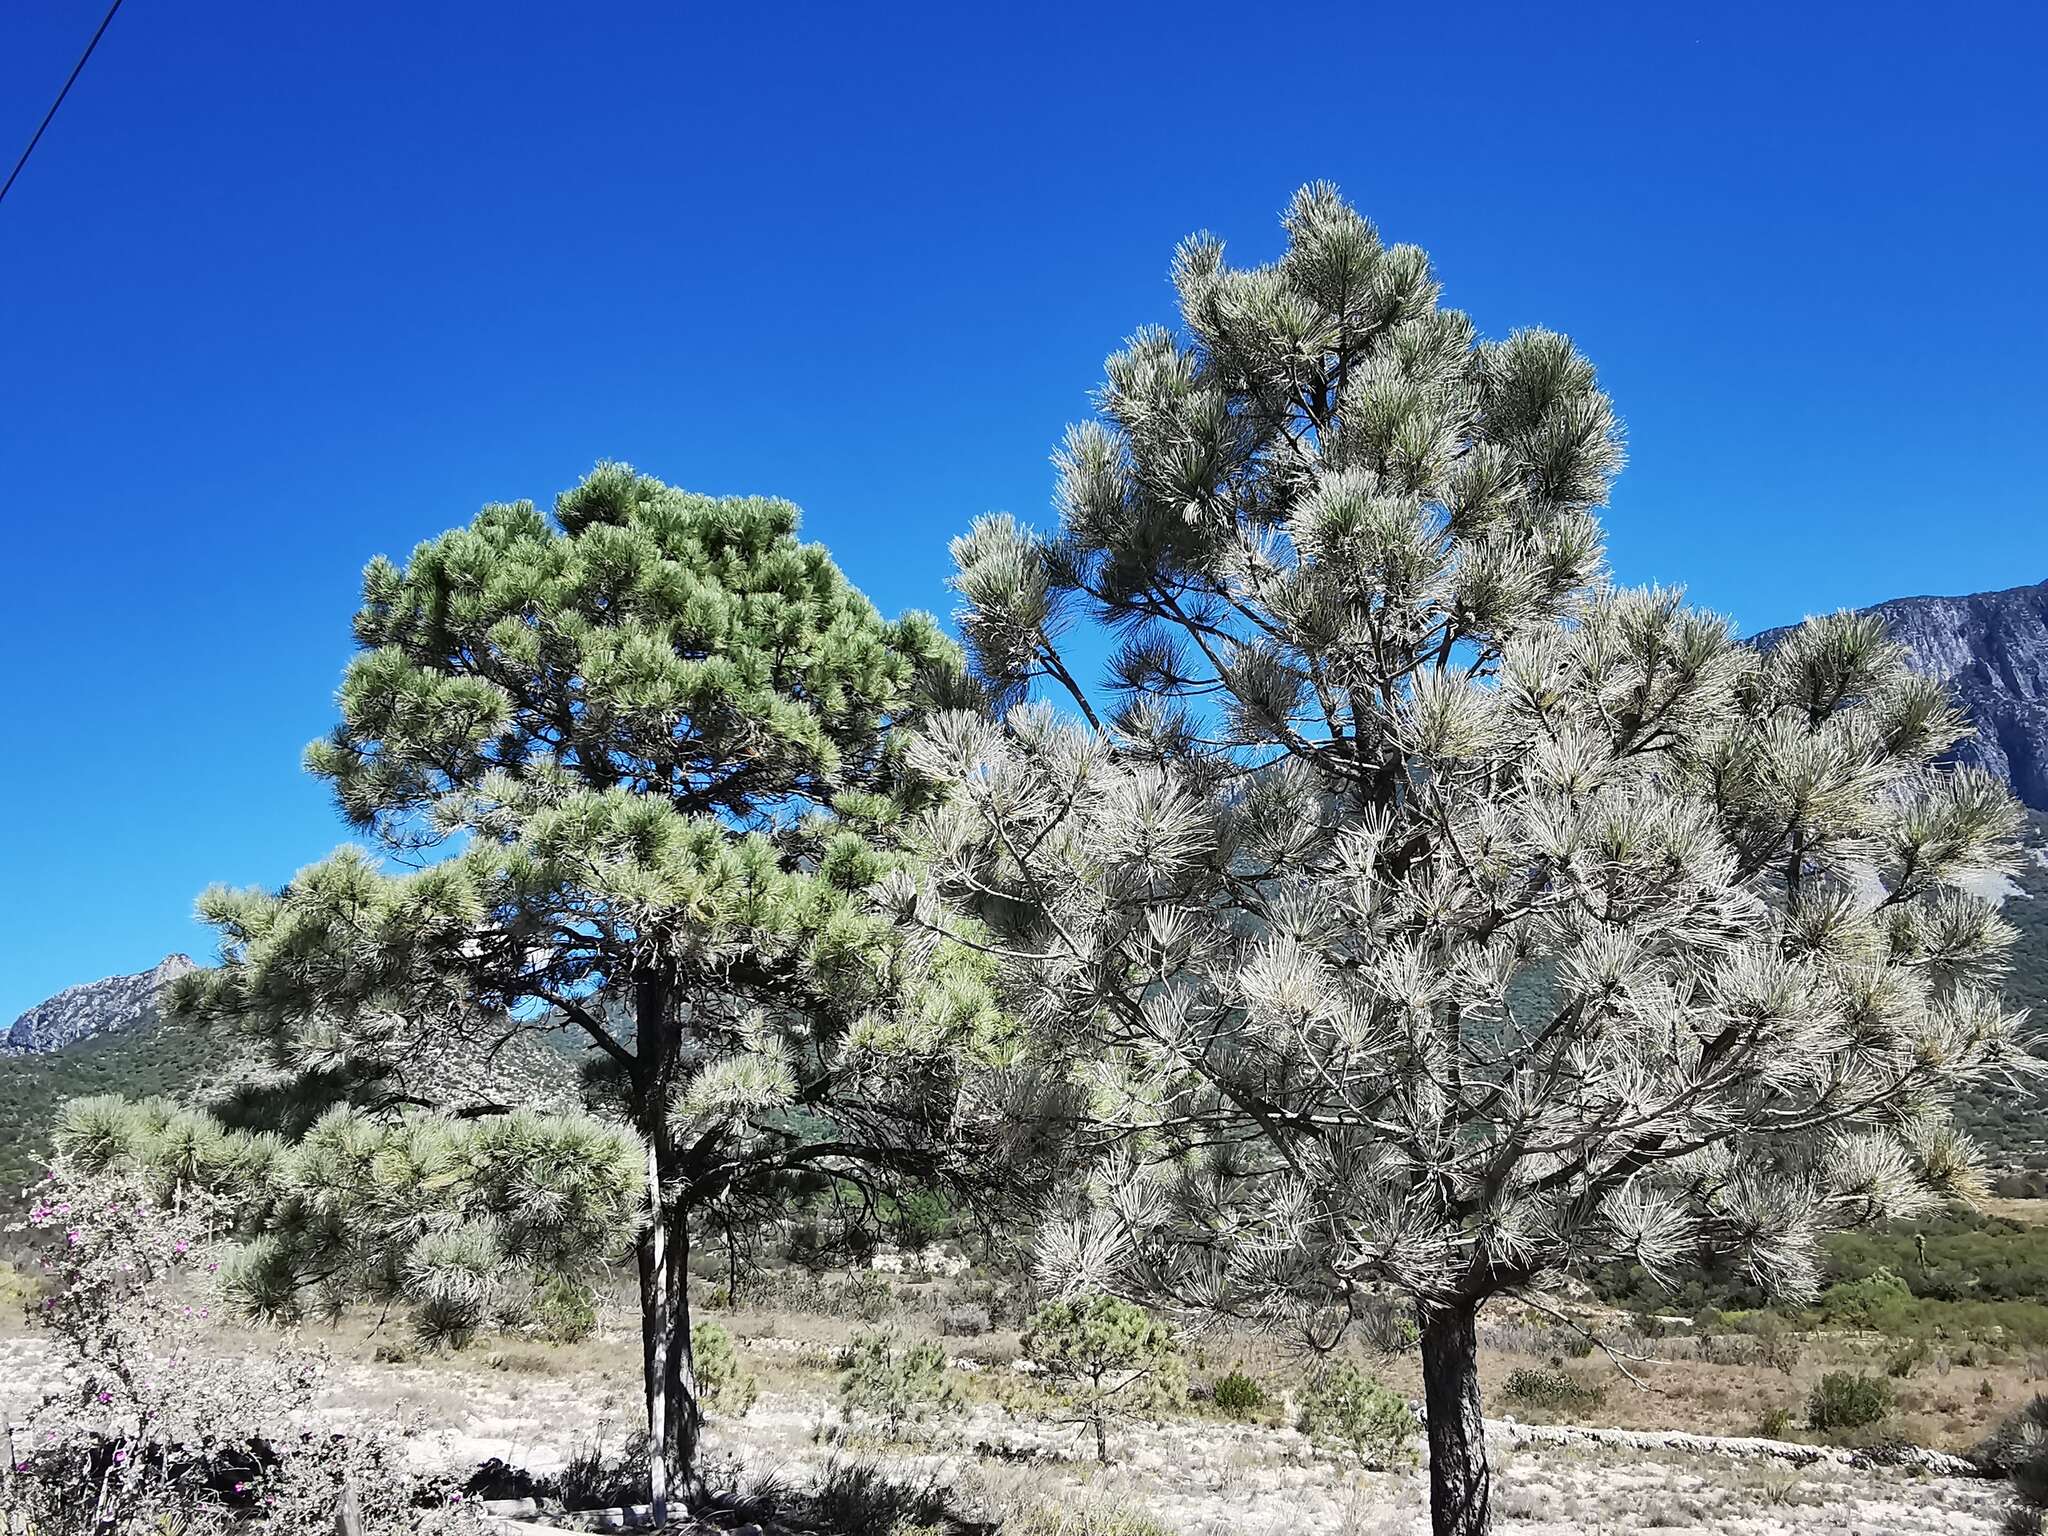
(91, 1009)
(1991, 648)
(108, 1036)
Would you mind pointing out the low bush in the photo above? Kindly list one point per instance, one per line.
(601, 1473)
(565, 1311)
(1349, 1412)
(1238, 1396)
(1848, 1400)
(882, 1380)
(965, 1321)
(1907, 1358)
(2018, 1449)
(727, 1387)
(1540, 1387)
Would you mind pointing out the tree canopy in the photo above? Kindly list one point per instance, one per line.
(1420, 911)
(638, 765)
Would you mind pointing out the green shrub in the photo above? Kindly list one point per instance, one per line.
(598, 1474)
(1879, 1300)
(565, 1312)
(1551, 1388)
(1238, 1396)
(871, 1296)
(725, 1385)
(1347, 1411)
(1848, 1400)
(1109, 1357)
(897, 1385)
(1777, 1345)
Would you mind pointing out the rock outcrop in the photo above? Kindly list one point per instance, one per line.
(93, 1008)
(1991, 648)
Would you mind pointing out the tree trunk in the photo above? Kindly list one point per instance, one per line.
(669, 1375)
(1460, 1486)
(675, 1417)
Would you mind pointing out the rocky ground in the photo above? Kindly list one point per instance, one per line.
(1188, 1477)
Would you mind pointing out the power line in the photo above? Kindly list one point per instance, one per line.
(80, 65)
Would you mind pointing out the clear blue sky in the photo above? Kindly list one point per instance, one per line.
(288, 285)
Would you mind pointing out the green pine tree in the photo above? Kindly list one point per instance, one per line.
(1111, 1357)
(641, 757)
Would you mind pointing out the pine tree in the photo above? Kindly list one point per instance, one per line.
(1111, 1357)
(1420, 913)
(641, 756)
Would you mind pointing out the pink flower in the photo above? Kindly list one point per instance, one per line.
(120, 1457)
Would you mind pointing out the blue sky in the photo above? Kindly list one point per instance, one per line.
(286, 286)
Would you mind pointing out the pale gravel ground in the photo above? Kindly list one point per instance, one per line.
(1199, 1478)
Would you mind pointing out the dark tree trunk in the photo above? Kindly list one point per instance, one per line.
(675, 1418)
(1460, 1486)
(675, 1415)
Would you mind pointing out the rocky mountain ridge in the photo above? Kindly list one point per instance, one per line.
(93, 1008)
(1991, 648)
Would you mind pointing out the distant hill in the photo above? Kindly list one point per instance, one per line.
(109, 1036)
(1991, 648)
(101, 1037)
(92, 1009)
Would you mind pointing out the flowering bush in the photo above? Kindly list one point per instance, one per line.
(147, 1429)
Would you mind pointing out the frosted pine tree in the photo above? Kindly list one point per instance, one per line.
(1420, 913)
(641, 754)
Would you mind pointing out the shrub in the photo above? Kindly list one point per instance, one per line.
(1848, 1400)
(597, 1476)
(2018, 1449)
(1552, 1388)
(965, 1321)
(862, 1496)
(1775, 1422)
(896, 1385)
(725, 1385)
(1880, 1300)
(1903, 1361)
(1347, 1411)
(1238, 1396)
(1777, 1345)
(565, 1311)
(149, 1430)
(1110, 1358)
(870, 1296)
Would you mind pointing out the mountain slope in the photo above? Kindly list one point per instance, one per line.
(91, 1009)
(1991, 648)
(108, 1036)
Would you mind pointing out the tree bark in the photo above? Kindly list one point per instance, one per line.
(1460, 1484)
(675, 1416)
